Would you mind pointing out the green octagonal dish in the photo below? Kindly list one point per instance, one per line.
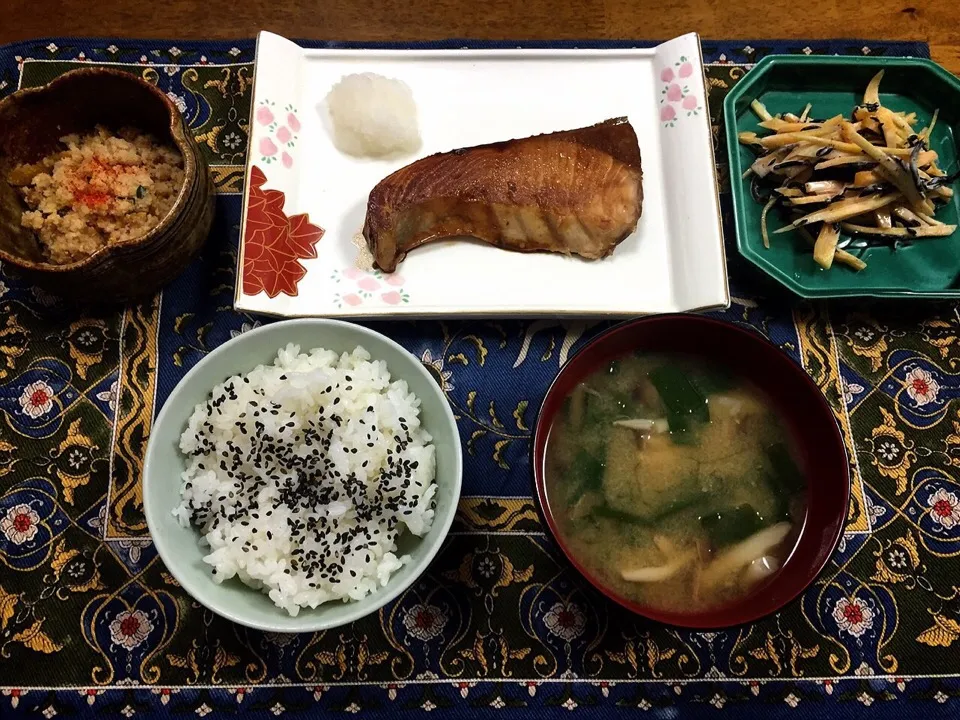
(834, 85)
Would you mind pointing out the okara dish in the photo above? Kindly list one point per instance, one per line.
(102, 189)
(303, 473)
(99, 231)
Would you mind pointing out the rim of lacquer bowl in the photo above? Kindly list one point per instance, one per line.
(824, 463)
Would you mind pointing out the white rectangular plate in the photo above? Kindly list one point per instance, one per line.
(299, 183)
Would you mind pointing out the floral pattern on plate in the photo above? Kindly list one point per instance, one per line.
(678, 98)
(280, 133)
(363, 287)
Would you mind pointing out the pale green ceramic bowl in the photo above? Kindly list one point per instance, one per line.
(179, 547)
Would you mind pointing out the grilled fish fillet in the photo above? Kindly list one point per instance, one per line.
(577, 192)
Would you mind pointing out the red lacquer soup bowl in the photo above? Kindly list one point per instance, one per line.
(803, 409)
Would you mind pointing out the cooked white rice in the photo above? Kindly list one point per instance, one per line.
(302, 474)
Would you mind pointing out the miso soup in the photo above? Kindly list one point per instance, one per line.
(674, 483)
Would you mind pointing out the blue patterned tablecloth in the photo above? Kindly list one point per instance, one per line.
(92, 624)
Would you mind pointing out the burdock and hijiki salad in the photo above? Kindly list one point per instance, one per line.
(849, 184)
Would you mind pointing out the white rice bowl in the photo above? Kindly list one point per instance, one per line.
(301, 475)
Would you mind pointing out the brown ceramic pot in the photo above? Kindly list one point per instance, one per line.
(32, 122)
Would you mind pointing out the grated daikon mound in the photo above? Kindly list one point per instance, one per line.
(373, 116)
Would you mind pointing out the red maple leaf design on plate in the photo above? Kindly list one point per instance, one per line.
(274, 244)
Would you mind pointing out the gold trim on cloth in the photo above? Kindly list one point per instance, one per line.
(228, 179)
(497, 515)
(134, 417)
(820, 357)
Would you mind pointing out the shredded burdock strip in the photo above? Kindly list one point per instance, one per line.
(843, 210)
(854, 160)
(871, 96)
(840, 256)
(899, 176)
(927, 131)
(940, 230)
(825, 248)
(763, 221)
(760, 109)
(907, 215)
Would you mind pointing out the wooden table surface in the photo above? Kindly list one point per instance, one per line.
(935, 21)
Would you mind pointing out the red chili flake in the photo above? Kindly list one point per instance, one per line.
(91, 198)
(92, 176)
